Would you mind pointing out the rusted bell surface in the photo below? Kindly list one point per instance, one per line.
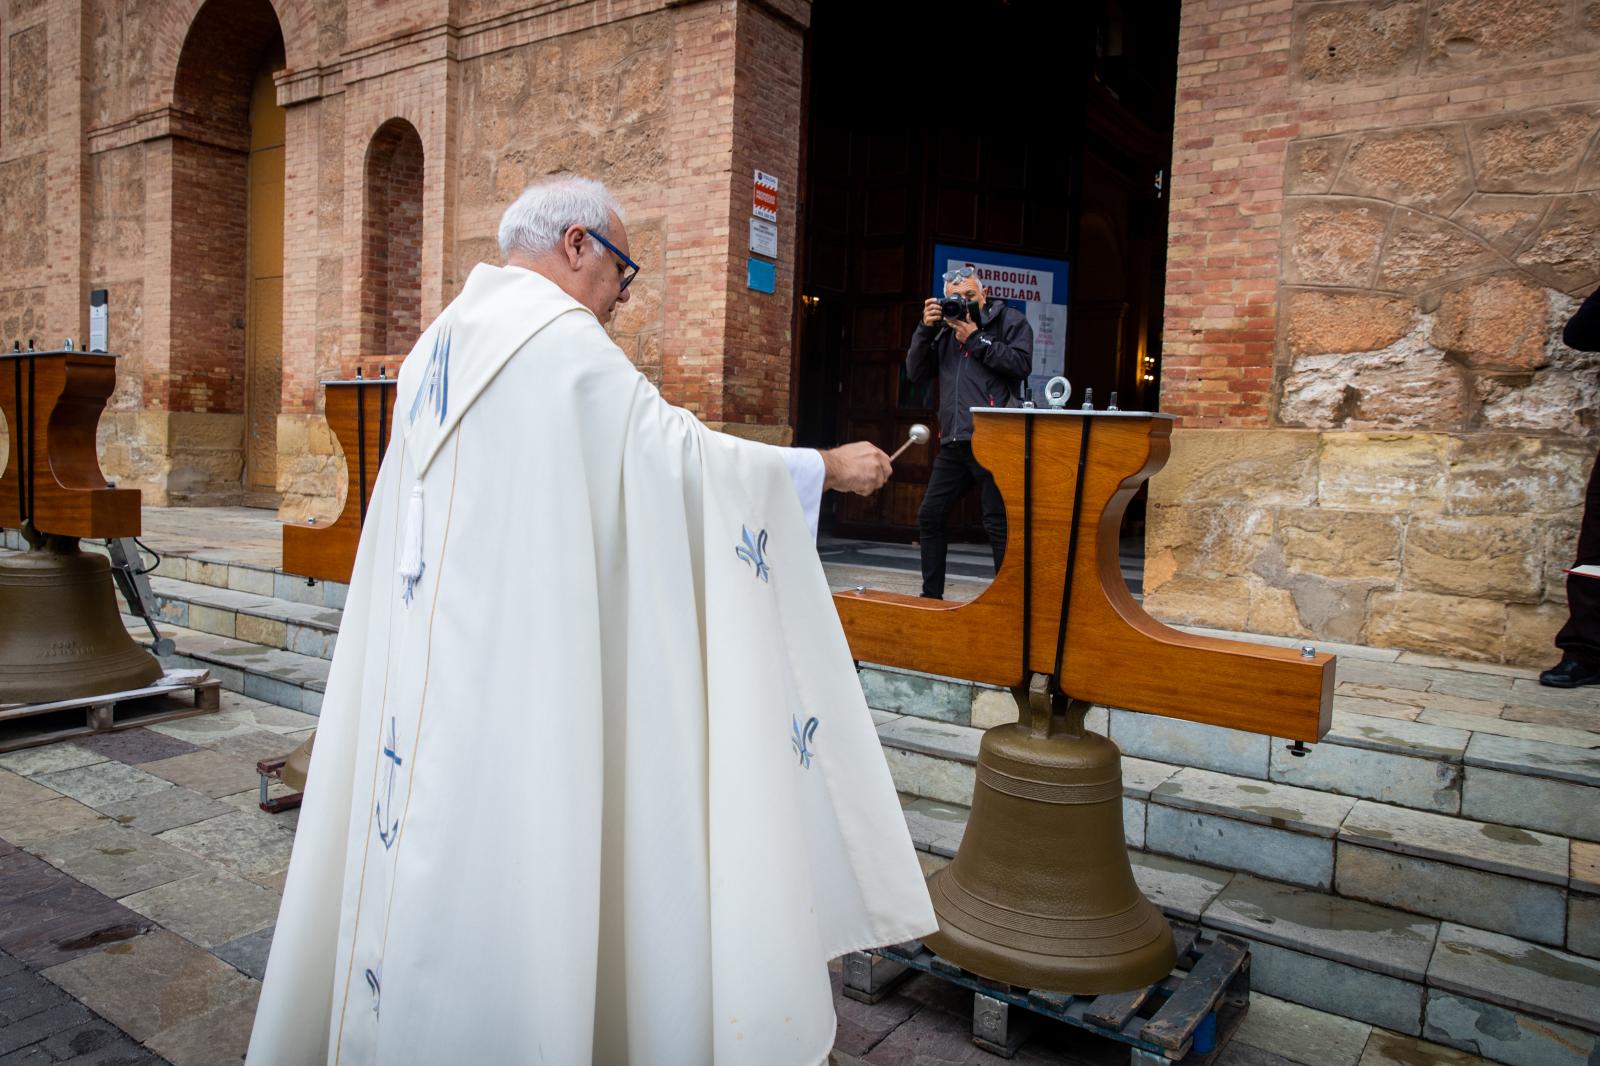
(60, 633)
(1040, 893)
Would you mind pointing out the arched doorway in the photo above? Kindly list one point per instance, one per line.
(226, 354)
(391, 245)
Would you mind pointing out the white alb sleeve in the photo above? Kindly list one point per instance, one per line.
(807, 471)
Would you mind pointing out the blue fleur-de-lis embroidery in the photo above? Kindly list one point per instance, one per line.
(802, 739)
(374, 983)
(389, 828)
(754, 552)
(434, 389)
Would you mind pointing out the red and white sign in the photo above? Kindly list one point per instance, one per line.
(766, 197)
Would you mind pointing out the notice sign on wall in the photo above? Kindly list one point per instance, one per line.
(766, 196)
(1036, 287)
(764, 237)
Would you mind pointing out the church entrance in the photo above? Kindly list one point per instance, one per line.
(227, 230)
(1029, 135)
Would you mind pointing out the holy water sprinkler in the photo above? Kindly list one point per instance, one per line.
(919, 435)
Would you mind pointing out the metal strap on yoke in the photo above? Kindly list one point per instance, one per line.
(1072, 553)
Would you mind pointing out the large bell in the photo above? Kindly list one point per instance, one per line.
(61, 636)
(1040, 893)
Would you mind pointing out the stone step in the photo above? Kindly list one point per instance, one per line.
(273, 675)
(1441, 757)
(1498, 996)
(256, 617)
(1534, 885)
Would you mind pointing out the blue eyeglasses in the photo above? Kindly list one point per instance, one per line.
(632, 267)
(959, 274)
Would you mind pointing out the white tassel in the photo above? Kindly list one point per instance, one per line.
(410, 568)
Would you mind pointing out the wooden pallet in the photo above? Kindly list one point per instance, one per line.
(1186, 1018)
(28, 725)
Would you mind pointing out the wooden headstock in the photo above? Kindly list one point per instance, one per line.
(1113, 652)
(52, 479)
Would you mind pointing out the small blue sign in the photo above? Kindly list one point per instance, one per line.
(763, 276)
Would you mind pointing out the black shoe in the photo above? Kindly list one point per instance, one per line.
(1570, 673)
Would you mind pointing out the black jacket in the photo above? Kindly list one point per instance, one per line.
(987, 372)
(1583, 328)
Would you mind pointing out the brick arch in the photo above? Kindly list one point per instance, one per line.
(391, 240)
(297, 22)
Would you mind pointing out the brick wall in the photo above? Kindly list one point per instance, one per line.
(1381, 215)
(391, 246)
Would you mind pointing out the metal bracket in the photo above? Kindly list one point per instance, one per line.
(868, 978)
(996, 1028)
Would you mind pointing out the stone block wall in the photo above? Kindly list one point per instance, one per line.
(1382, 214)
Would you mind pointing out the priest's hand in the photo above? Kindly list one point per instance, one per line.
(861, 468)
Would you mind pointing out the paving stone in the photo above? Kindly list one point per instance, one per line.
(251, 802)
(203, 731)
(168, 809)
(38, 822)
(1140, 777)
(311, 702)
(1490, 686)
(878, 717)
(152, 983)
(1134, 818)
(270, 632)
(1337, 988)
(1392, 1049)
(1301, 1034)
(933, 738)
(62, 755)
(248, 954)
(255, 746)
(136, 746)
(931, 777)
(38, 1027)
(1265, 803)
(862, 1026)
(18, 791)
(310, 640)
(1563, 807)
(1172, 740)
(117, 861)
(334, 595)
(208, 909)
(213, 620)
(1586, 721)
(47, 917)
(1485, 846)
(1519, 976)
(24, 993)
(1341, 930)
(245, 579)
(1233, 844)
(220, 1035)
(1237, 1054)
(1581, 765)
(1530, 692)
(296, 589)
(1391, 675)
(1583, 925)
(1584, 872)
(1505, 1036)
(201, 572)
(1427, 784)
(103, 783)
(935, 827)
(922, 695)
(94, 1043)
(210, 773)
(1181, 889)
(274, 690)
(1522, 908)
(249, 844)
(263, 716)
(1416, 739)
(1374, 707)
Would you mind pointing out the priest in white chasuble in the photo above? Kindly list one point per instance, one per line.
(595, 780)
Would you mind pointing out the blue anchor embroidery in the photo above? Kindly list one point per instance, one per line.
(435, 384)
(377, 993)
(389, 833)
(754, 552)
(802, 739)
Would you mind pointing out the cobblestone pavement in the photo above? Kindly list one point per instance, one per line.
(139, 884)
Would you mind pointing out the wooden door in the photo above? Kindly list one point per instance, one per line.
(263, 355)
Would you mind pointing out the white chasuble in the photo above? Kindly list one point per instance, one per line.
(594, 780)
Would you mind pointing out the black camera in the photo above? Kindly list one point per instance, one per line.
(958, 308)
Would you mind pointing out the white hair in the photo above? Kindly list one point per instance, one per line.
(536, 221)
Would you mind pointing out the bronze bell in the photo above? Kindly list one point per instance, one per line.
(61, 636)
(1040, 893)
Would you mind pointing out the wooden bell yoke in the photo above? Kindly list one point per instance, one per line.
(52, 481)
(1059, 606)
(359, 412)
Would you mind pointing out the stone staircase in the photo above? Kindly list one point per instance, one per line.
(1432, 867)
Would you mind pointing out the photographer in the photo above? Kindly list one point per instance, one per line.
(983, 351)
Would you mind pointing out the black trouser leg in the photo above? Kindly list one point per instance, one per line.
(994, 511)
(950, 477)
(1580, 637)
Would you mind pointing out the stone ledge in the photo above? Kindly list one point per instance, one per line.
(1460, 841)
(1524, 977)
